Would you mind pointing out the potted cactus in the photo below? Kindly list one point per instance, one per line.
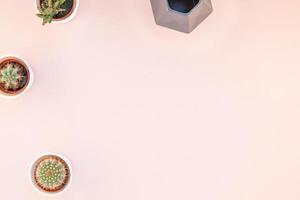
(15, 76)
(57, 11)
(51, 174)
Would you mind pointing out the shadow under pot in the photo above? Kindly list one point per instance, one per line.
(51, 174)
(56, 11)
(15, 76)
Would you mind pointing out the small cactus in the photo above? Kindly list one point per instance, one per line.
(12, 76)
(52, 174)
(49, 9)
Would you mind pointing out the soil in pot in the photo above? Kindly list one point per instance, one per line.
(183, 6)
(51, 174)
(14, 76)
(68, 7)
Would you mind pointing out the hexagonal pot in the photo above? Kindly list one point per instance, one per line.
(181, 15)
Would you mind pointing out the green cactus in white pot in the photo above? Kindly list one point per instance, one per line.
(51, 174)
(49, 9)
(12, 77)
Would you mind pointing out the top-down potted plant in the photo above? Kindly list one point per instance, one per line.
(51, 174)
(57, 11)
(15, 76)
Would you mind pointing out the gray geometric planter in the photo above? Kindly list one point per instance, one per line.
(181, 15)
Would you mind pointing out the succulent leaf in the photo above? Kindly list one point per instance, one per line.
(50, 8)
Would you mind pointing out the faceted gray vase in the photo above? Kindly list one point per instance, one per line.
(185, 21)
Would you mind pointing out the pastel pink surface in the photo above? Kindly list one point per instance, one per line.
(146, 113)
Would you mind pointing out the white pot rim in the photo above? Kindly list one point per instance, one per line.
(51, 194)
(68, 19)
(30, 75)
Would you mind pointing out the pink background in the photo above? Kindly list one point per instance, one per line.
(146, 113)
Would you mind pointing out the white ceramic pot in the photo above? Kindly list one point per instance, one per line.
(31, 78)
(61, 21)
(36, 187)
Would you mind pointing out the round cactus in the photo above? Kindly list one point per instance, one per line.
(51, 174)
(12, 76)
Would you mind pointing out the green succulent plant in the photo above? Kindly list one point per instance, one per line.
(11, 76)
(51, 174)
(49, 9)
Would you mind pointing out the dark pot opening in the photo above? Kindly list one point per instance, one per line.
(183, 6)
